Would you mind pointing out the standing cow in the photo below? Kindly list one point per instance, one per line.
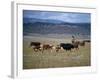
(76, 44)
(35, 45)
(66, 46)
(46, 47)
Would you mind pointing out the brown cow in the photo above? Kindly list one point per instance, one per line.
(57, 48)
(46, 47)
(76, 44)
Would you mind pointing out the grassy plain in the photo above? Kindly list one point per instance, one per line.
(48, 59)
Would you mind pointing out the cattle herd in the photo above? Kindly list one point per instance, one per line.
(37, 46)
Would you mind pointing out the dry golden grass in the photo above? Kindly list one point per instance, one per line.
(48, 59)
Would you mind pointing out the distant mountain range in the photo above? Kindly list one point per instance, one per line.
(33, 20)
(45, 26)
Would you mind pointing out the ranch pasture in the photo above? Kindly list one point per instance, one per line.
(52, 59)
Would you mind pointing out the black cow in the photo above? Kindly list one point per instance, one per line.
(67, 46)
(35, 44)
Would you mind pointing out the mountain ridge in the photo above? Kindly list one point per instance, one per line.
(33, 20)
(52, 28)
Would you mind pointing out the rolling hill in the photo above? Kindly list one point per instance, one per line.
(41, 26)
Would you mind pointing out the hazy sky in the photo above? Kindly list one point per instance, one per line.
(63, 16)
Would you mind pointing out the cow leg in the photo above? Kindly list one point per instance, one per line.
(42, 50)
(39, 49)
(71, 50)
(51, 50)
(78, 48)
(57, 50)
(35, 50)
